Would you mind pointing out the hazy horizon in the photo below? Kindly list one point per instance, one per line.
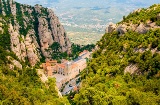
(89, 18)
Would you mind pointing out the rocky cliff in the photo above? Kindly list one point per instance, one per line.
(125, 68)
(33, 30)
(140, 20)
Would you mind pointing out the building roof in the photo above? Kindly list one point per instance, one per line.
(59, 77)
(64, 61)
(53, 61)
(74, 65)
(84, 52)
(61, 65)
(48, 64)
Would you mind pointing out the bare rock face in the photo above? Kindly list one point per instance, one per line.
(44, 36)
(16, 46)
(38, 8)
(110, 28)
(24, 46)
(13, 7)
(17, 64)
(141, 29)
(131, 69)
(14, 63)
(33, 30)
(51, 31)
(137, 10)
(32, 54)
(121, 29)
(58, 32)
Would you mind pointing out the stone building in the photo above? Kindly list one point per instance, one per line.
(66, 70)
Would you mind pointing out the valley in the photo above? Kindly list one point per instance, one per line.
(85, 20)
(90, 54)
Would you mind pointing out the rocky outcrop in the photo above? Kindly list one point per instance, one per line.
(58, 32)
(141, 26)
(31, 49)
(14, 63)
(24, 46)
(13, 7)
(132, 68)
(121, 29)
(141, 29)
(110, 28)
(16, 46)
(33, 30)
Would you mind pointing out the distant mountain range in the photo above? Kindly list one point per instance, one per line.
(86, 18)
(125, 68)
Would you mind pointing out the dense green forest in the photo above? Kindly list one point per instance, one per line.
(23, 86)
(143, 15)
(105, 81)
(75, 48)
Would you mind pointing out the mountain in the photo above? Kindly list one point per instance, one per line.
(26, 34)
(33, 31)
(125, 68)
(85, 20)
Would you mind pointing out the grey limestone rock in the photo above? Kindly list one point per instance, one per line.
(121, 29)
(110, 28)
(141, 29)
(36, 41)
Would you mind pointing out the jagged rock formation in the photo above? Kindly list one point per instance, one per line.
(33, 30)
(122, 28)
(141, 26)
(127, 62)
(111, 27)
(14, 63)
(132, 69)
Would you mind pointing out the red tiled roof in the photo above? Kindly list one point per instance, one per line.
(48, 64)
(85, 51)
(52, 61)
(61, 65)
(74, 66)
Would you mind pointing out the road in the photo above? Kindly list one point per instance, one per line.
(68, 88)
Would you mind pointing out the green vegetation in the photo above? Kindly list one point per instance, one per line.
(5, 37)
(23, 87)
(143, 15)
(104, 80)
(76, 49)
(56, 52)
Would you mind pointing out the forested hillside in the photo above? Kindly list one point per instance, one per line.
(125, 70)
(33, 31)
(19, 83)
